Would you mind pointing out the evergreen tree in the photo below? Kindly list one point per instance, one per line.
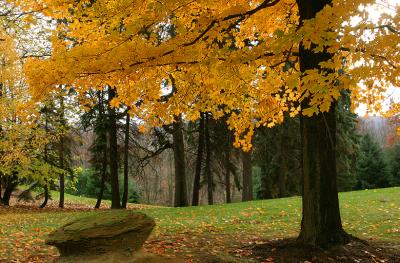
(347, 143)
(395, 165)
(372, 170)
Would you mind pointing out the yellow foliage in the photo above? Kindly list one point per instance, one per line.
(238, 57)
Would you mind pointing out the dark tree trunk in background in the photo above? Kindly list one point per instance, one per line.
(10, 183)
(62, 191)
(46, 187)
(126, 164)
(112, 135)
(227, 168)
(102, 133)
(266, 182)
(283, 164)
(103, 179)
(199, 162)
(46, 196)
(1, 186)
(321, 224)
(247, 194)
(61, 155)
(207, 168)
(180, 164)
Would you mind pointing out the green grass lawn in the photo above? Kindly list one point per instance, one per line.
(369, 214)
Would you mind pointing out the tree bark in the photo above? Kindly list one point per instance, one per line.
(46, 196)
(207, 168)
(45, 187)
(103, 135)
(227, 169)
(126, 164)
(1, 184)
(266, 183)
(321, 223)
(112, 135)
(61, 156)
(247, 193)
(9, 186)
(283, 164)
(199, 162)
(101, 192)
(180, 164)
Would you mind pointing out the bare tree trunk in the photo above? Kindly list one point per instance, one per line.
(126, 162)
(321, 224)
(227, 169)
(112, 135)
(101, 192)
(283, 165)
(61, 155)
(9, 186)
(247, 194)
(1, 186)
(46, 196)
(180, 164)
(207, 168)
(103, 134)
(45, 187)
(199, 161)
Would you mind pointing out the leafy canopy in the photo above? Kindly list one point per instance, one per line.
(238, 58)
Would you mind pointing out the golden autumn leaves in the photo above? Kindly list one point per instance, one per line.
(235, 58)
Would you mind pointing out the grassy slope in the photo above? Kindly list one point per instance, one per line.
(369, 214)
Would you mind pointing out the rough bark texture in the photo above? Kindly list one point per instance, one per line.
(112, 135)
(207, 168)
(199, 162)
(321, 224)
(247, 193)
(126, 160)
(180, 164)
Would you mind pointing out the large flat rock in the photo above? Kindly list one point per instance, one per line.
(101, 233)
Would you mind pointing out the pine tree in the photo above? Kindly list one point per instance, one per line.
(395, 165)
(372, 170)
(347, 143)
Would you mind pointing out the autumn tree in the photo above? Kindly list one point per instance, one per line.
(288, 58)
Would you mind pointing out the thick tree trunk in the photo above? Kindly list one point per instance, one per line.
(207, 168)
(112, 135)
(247, 194)
(180, 164)
(199, 162)
(126, 164)
(321, 224)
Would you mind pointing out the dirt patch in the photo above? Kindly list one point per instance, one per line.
(288, 251)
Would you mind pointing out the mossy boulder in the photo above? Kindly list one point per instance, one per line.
(122, 232)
